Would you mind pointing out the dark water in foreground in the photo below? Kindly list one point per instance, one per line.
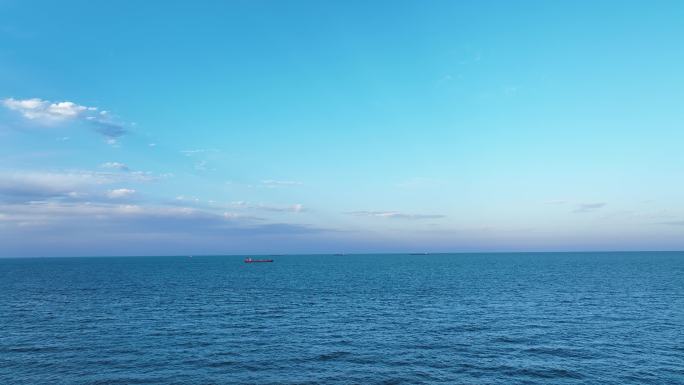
(614, 318)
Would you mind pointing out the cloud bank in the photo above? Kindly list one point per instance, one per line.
(79, 228)
(74, 185)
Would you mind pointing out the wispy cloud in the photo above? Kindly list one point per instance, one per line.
(70, 224)
(115, 166)
(198, 151)
(394, 215)
(135, 175)
(41, 185)
(270, 183)
(556, 202)
(589, 207)
(240, 206)
(295, 208)
(231, 215)
(120, 193)
(45, 112)
(183, 198)
(70, 185)
(111, 130)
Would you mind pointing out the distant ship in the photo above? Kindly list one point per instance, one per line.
(250, 260)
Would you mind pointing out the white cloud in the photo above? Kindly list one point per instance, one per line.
(120, 193)
(394, 215)
(115, 166)
(46, 112)
(38, 109)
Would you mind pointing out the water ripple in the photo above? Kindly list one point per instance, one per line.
(612, 318)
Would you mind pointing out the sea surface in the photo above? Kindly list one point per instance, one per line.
(519, 318)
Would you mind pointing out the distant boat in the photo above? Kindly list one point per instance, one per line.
(250, 260)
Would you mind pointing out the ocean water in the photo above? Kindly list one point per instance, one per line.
(538, 318)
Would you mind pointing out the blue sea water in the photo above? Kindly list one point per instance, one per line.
(537, 318)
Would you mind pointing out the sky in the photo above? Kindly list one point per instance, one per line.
(260, 127)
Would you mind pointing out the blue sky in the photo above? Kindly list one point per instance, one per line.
(136, 128)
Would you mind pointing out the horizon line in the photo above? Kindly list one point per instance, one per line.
(341, 254)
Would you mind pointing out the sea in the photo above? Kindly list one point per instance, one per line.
(500, 318)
